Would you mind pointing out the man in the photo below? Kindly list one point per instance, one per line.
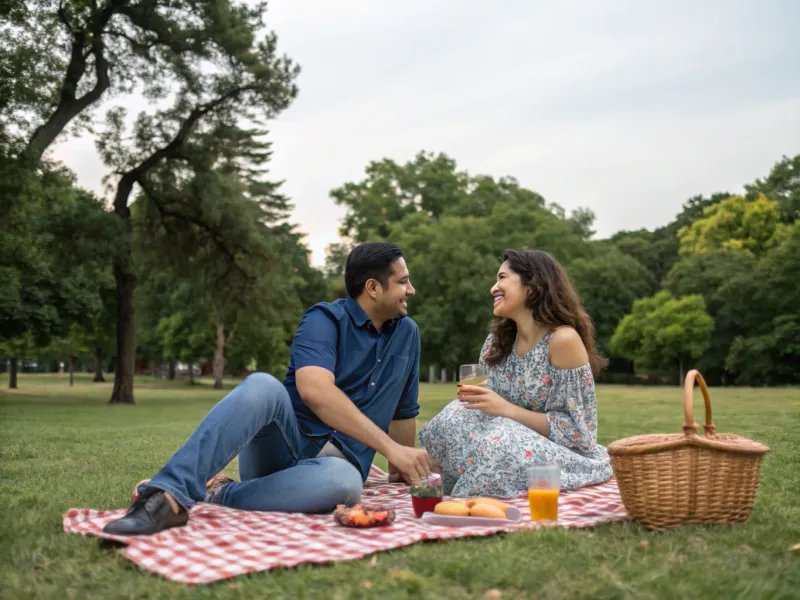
(306, 445)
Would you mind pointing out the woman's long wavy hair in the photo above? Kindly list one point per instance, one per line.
(553, 302)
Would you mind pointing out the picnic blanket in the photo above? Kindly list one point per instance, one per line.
(220, 542)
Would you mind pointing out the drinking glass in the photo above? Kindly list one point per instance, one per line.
(473, 374)
(544, 482)
(426, 495)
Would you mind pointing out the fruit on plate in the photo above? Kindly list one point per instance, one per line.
(363, 516)
(490, 501)
(452, 508)
(486, 510)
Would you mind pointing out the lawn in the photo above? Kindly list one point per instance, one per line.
(63, 447)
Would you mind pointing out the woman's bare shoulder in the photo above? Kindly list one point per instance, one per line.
(567, 350)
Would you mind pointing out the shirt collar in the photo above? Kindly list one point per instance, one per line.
(360, 318)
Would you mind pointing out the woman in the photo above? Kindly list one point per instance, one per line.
(538, 406)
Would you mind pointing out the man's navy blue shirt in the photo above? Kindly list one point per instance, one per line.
(379, 372)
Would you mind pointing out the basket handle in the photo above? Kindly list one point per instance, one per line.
(689, 426)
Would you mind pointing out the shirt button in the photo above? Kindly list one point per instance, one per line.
(372, 384)
(379, 360)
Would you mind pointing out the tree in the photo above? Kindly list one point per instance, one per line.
(726, 279)
(453, 228)
(220, 232)
(336, 258)
(753, 225)
(52, 255)
(453, 264)
(782, 184)
(60, 57)
(663, 332)
(17, 349)
(428, 184)
(608, 284)
(764, 350)
(249, 82)
(771, 358)
(658, 250)
(69, 348)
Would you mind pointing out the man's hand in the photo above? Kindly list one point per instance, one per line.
(404, 432)
(398, 477)
(411, 462)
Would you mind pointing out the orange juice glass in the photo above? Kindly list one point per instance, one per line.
(544, 482)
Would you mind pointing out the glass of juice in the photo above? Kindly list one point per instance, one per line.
(544, 482)
(473, 374)
(427, 494)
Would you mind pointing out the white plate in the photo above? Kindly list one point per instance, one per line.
(513, 515)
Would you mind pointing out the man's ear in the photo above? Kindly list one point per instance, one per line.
(371, 288)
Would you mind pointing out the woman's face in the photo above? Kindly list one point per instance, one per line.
(509, 293)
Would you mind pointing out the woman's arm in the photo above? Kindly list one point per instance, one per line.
(532, 420)
(571, 407)
(566, 352)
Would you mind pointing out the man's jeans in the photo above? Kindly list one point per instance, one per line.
(278, 467)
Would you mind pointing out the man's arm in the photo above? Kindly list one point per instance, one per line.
(403, 428)
(317, 388)
(404, 432)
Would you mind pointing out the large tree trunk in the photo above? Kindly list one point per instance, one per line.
(681, 376)
(125, 286)
(126, 338)
(171, 370)
(71, 370)
(219, 357)
(12, 375)
(98, 365)
(191, 373)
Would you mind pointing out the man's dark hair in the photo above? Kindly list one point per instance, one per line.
(372, 260)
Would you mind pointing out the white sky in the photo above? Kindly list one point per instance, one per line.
(625, 107)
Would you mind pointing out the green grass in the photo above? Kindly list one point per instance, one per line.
(63, 447)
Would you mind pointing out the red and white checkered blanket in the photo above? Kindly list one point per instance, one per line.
(220, 542)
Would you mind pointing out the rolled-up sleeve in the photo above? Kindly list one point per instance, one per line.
(408, 407)
(315, 343)
(572, 409)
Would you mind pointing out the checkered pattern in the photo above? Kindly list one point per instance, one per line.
(220, 542)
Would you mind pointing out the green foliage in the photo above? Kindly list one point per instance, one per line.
(53, 257)
(662, 331)
(453, 229)
(769, 358)
(782, 184)
(213, 250)
(428, 184)
(608, 284)
(658, 250)
(738, 223)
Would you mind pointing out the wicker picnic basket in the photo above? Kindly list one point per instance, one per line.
(668, 480)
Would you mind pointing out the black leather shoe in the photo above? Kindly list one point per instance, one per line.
(147, 515)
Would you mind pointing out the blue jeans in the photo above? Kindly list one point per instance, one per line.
(278, 467)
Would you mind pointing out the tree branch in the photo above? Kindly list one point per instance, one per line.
(68, 105)
(216, 235)
(172, 149)
(62, 16)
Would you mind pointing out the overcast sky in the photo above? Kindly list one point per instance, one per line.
(625, 107)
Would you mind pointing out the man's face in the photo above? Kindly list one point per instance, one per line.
(392, 298)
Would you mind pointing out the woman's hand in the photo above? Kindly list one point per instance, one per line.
(484, 400)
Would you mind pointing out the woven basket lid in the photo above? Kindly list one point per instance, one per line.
(661, 442)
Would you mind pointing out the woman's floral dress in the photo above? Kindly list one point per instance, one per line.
(483, 455)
